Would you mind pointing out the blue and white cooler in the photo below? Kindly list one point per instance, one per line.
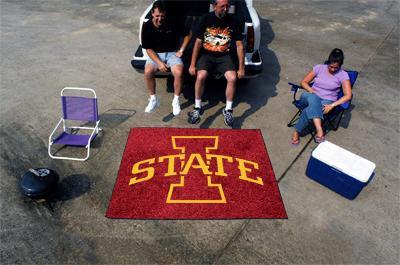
(339, 169)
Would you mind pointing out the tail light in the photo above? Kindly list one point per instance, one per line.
(250, 38)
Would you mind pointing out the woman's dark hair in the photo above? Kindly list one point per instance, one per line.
(160, 6)
(336, 56)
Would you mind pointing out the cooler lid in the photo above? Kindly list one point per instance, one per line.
(344, 161)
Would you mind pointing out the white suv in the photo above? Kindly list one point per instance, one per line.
(191, 11)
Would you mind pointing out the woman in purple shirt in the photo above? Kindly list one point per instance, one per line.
(322, 96)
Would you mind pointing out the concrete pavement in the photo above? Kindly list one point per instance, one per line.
(47, 45)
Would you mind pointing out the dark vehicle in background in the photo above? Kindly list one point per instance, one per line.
(190, 12)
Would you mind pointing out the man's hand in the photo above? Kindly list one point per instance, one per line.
(192, 70)
(327, 108)
(240, 73)
(179, 53)
(162, 67)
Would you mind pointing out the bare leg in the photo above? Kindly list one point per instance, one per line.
(230, 85)
(177, 72)
(318, 127)
(199, 85)
(295, 136)
(149, 79)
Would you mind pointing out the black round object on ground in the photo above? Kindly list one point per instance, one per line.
(38, 183)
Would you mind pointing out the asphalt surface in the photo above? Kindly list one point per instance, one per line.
(47, 45)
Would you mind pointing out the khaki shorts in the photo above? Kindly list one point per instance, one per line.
(169, 58)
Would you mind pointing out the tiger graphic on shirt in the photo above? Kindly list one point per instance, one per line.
(217, 39)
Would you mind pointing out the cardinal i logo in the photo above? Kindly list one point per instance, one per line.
(188, 160)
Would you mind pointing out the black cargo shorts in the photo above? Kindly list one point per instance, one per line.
(215, 64)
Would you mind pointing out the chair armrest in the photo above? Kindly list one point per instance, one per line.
(94, 131)
(294, 87)
(294, 90)
(54, 130)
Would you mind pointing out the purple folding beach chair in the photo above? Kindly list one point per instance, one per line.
(76, 109)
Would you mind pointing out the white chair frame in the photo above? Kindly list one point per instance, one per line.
(94, 130)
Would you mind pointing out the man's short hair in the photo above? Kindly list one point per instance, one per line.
(160, 6)
(214, 2)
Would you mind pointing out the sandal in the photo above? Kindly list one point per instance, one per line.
(294, 142)
(319, 139)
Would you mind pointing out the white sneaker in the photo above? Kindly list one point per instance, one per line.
(176, 107)
(153, 104)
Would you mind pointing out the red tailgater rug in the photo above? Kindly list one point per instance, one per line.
(175, 173)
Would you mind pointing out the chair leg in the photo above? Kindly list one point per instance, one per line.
(295, 118)
(336, 126)
(69, 158)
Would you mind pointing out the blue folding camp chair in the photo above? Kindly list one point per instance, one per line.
(334, 115)
(76, 109)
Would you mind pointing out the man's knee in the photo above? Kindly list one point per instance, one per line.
(177, 71)
(149, 71)
(230, 76)
(202, 75)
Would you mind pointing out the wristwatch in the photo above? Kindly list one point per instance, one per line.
(181, 50)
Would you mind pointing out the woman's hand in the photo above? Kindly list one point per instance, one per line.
(328, 108)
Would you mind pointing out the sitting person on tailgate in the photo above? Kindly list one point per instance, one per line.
(217, 33)
(162, 40)
(322, 96)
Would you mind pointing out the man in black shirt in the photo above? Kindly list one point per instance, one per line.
(161, 39)
(217, 33)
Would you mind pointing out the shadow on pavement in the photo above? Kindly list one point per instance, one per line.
(111, 118)
(72, 186)
(256, 92)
